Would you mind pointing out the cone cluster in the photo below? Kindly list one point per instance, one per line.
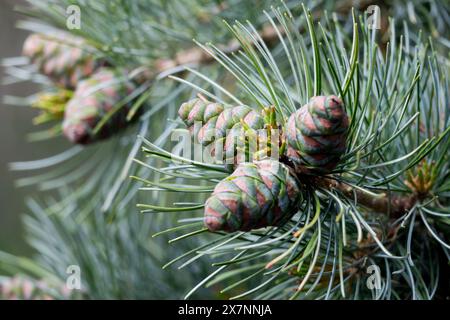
(95, 90)
(263, 193)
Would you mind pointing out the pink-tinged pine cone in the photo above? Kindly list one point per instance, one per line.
(220, 122)
(23, 288)
(316, 134)
(61, 57)
(94, 97)
(255, 195)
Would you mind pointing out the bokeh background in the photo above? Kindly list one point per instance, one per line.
(15, 125)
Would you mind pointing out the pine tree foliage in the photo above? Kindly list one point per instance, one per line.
(87, 188)
(125, 259)
(385, 204)
(396, 96)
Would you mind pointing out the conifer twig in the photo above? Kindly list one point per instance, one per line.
(393, 205)
(269, 35)
(197, 55)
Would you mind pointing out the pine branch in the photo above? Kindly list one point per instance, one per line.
(198, 56)
(337, 229)
(392, 205)
(269, 34)
(383, 139)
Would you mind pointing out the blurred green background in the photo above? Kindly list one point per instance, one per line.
(15, 124)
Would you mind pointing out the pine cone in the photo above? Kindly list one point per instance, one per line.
(93, 99)
(255, 195)
(21, 288)
(63, 60)
(316, 134)
(219, 122)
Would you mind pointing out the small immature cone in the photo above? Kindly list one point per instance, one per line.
(219, 122)
(255, 195)
(61, 58)
(316, 134)
(94, 97)
(21, 288)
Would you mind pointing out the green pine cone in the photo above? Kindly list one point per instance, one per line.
(255, 195)
(21, 288)
(316, 134)
(62, 59)
(220, 122)
(94, 97)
